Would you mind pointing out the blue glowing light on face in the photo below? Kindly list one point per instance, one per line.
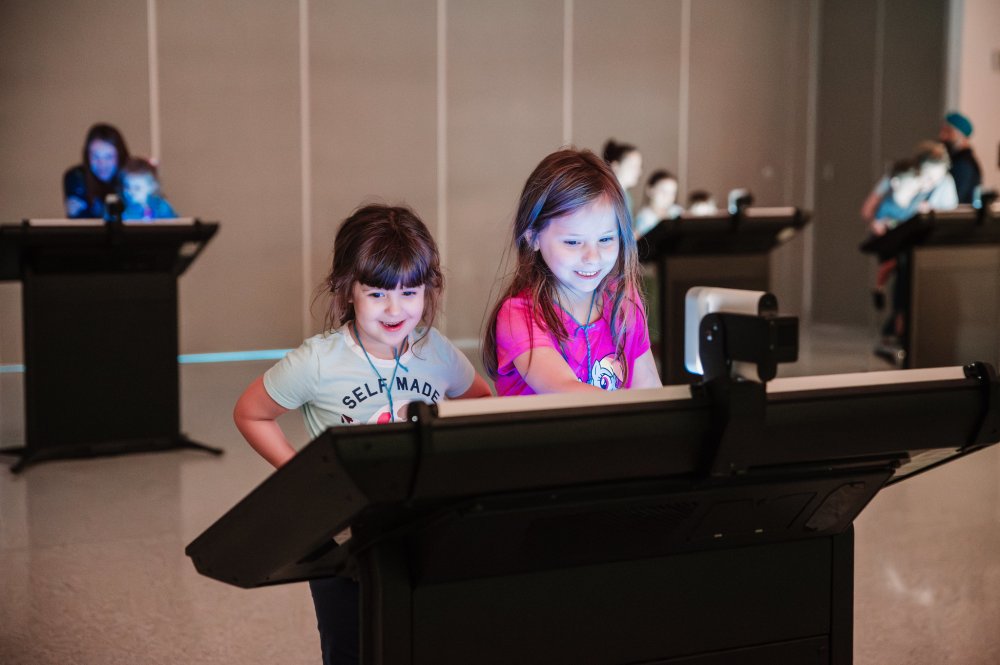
(103, 158)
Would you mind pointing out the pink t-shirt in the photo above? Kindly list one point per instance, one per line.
(515, 322)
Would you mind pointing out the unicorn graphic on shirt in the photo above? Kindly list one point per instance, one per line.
(607, 373)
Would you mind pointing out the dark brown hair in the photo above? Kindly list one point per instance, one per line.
(903, 167)
(928, 152)
(96, 188)
(138, 166)
(564, 182)
(616, 152)
(385, 247)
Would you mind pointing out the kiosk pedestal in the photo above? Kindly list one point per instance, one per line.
(683, 525)
(731, 251)
(99, 308)
(951, 285)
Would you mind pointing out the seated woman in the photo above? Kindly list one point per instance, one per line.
(86, 185)
(625, 161)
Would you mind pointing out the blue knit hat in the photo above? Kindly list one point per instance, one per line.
(959, 122)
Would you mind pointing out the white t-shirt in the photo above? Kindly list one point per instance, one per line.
(330, 379)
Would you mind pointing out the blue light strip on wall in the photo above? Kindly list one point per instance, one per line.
(193, 358)
(232, 356)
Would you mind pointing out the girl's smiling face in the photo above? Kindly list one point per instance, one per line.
(581, 248)
(385, 317)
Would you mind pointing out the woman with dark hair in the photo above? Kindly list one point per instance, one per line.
(86, 185)
(625, 161)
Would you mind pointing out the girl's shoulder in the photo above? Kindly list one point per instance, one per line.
(430, 344)
(521, 308)
(327, 341)
(431, 336)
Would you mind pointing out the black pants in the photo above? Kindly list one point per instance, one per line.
(900, 299)
(336, 603)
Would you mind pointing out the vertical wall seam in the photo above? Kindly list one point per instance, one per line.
(684, 97)
(953, 55)
(154, 80)
(442, 140)
(792, 47)
(567, 138)
(306, 165)
(812, 125)
(877, 91)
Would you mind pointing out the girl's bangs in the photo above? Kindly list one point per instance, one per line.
(385, 272)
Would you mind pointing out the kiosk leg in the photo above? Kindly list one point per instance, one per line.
(28, 456)
(101, 374)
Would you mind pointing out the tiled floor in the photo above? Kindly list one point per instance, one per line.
(92, 568)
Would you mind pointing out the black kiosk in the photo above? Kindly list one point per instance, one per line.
(99, 308)
(725, 250)
(686, 525)
(950, 284)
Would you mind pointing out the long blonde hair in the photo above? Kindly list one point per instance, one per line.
(561, 184)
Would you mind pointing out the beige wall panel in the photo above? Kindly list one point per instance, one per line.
(626, 79)
(746, 60)
(504, 114)
(979, 82)
(373, 85)
(59, 74)
(748, 112)
(229, 85)
(844, 158)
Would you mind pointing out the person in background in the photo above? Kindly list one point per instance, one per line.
(142, 192)
(937, 188)
(897, 206)
(955, 132)
(86, 185)
(701, 203)
(625, 161)
(660, 202)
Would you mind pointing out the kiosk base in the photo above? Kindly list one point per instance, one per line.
(777, 604)
(28, 456)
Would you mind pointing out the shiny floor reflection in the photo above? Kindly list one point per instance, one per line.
(92, 565)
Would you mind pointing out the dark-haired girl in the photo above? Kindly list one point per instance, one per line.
(379, 352)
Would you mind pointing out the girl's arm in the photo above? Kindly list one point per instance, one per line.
(645, 375)
(479, 388)
(256, 416)
(870, 205)
(547, 372)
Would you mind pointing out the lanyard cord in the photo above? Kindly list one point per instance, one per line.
(585, 327)
(395, 356)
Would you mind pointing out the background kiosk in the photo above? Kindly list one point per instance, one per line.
(695, 525)
(951, 284)
(728, 250)
(99, 309)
